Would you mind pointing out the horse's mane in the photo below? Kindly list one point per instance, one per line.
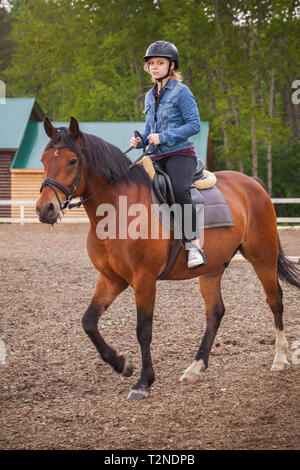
(103, 158)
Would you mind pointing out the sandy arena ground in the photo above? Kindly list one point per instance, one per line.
(56, 393)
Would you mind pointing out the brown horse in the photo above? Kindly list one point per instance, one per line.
(82, 165)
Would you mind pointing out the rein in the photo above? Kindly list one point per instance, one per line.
(79, 203)
(76, 181)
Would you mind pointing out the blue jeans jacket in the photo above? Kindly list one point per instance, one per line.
(177, 117)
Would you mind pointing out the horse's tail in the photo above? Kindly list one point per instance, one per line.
(256, 178)
(286, 269)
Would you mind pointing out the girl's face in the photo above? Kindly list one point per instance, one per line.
(158, 67)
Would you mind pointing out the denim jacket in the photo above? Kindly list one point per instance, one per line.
(177, 117)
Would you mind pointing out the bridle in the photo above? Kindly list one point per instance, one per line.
(79, 151)
(70, 191)
(67, 191)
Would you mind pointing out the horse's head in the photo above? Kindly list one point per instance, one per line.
(64, 170)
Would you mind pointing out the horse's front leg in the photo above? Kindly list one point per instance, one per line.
(105, 293)
(145, 290)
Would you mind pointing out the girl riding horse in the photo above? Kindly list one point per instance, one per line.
(172, 117)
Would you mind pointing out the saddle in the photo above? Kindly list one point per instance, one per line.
(162, 185)
(163, 191)
(203, 192)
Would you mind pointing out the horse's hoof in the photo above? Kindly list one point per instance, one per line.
(278, 366)
(138, 395)
(190, 377)
(128, 368)
(193, 373)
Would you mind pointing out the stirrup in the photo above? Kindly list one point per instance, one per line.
(194, 248)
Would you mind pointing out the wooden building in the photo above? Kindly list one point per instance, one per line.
(23, 139)
(15, 114)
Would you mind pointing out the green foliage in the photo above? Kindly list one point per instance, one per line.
(286, 176)
(6, 45)
(85, 58)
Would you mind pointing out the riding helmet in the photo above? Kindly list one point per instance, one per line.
(163, 49)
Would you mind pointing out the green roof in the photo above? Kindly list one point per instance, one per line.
(14, 116)
(117, 133)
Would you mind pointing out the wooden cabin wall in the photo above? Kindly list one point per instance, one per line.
(25, 184)
(6, 157)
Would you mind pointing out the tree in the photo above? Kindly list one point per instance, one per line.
(6, 44)
(239, 57)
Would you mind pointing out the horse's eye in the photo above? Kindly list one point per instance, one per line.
(72, 162)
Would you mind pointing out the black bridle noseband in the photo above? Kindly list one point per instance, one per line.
(79, 151)
(68, 192)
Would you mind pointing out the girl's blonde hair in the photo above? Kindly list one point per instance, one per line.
(173, 74)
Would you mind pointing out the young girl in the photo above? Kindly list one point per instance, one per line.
(172, 116)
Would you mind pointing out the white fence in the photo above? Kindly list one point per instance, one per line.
(22, 219)
(287, 200)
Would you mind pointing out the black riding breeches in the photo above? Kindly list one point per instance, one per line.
(181, 170)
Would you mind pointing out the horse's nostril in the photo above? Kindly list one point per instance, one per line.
(48, 213)
(50, 207)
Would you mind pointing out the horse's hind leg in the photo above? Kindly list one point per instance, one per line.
(280, 360)
(210, 286)
(105, 293)
(267, 274)
(263, 255)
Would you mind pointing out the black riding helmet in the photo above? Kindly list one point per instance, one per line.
(163, 49)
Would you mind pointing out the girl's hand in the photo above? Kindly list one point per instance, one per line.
(154, 139)
(134, 142)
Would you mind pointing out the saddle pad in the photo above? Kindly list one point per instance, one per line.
(217, 212)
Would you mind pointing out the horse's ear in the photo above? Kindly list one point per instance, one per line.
(49, 129)
(74, 128)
